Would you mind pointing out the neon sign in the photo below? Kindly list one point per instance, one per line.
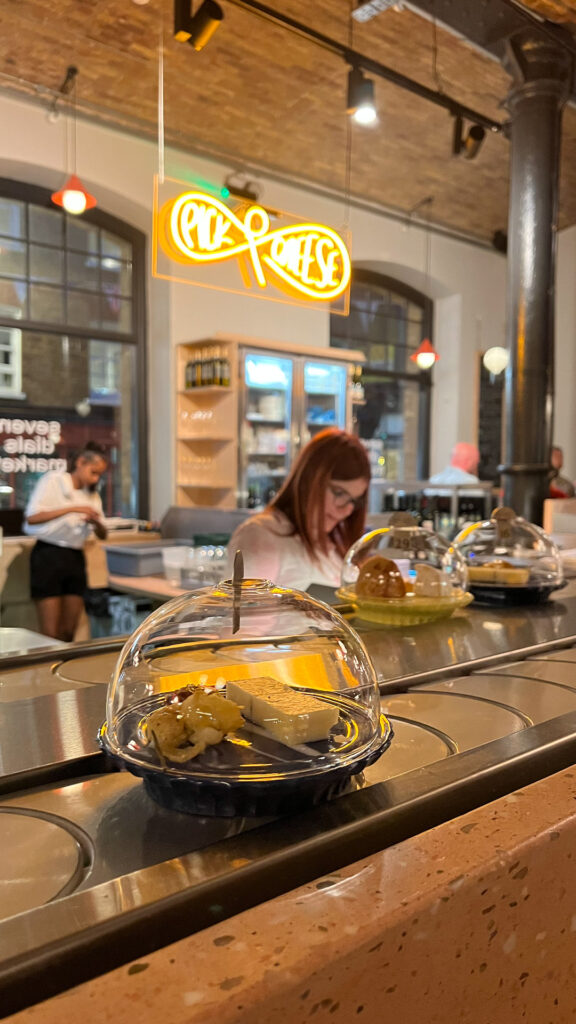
(307, 261)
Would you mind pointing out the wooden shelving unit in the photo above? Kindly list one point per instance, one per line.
(206, 435)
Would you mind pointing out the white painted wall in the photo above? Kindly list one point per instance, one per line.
(467, 283)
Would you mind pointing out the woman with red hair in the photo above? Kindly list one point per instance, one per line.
(304, 533)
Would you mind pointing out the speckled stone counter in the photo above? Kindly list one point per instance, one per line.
(473, 921)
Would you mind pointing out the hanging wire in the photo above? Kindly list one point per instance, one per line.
(161, 98)
(435, 73)
(67, 118)
(426, 202)
(429, 202)
(348, 144)
(73, 127)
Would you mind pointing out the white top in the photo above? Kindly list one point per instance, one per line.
(457, 477)
(453, 475)
(273, 551)
(56, 490)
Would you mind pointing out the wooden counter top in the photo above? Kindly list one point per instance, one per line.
(145, 586)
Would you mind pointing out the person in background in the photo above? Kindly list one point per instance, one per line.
(463, 467)
(305, 531)
(560, 486)
(63, 510)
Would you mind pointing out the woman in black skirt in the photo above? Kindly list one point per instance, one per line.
(64, 509)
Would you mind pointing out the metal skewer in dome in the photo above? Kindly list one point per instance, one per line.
(237, 577)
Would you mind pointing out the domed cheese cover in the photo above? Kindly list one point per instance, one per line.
(507, 551)
(403, 574)
(242, 688)
(413, 551)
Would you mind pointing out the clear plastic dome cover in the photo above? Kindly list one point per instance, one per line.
(249, 690)
(403, 574)
(506, 551)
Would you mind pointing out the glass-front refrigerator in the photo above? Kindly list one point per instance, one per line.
(285, 401)
(325, 398)
(266, 426)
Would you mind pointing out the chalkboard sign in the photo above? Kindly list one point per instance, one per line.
(490, 416)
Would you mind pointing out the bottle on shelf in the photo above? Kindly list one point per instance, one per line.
(217, 363)
(224, 368)
(357, 386)
(209, 370)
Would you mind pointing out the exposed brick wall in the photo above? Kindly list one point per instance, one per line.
(262, 94)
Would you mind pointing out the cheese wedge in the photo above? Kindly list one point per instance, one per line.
(498, 572)
(290, 716)
(431, 582)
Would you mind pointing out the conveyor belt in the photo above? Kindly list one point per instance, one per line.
(136, 876)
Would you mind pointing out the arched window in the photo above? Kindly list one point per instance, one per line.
(72, 346)
(387, 322)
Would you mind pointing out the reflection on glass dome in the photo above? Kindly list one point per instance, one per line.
(509, 559)
(404, 575)
(244, 699)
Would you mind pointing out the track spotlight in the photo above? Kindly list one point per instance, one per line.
(470, 145)
(360, 103)
(500, 241)
(240, 187)
(196, 29)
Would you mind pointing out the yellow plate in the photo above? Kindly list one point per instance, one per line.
(405, 611)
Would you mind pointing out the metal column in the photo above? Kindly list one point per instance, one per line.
(542, 76)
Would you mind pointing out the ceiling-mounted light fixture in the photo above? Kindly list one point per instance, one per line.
(470, 145)
(496, 359)
(72, 197)
(425, 355)
(240, 186)
(83, 407)
(360, 102)
(64, 90)
(196, 29)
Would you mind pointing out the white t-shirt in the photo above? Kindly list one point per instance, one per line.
(273, 551)
(56, 490)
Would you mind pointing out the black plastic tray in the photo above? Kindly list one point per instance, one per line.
(209, 789)
(528, 593)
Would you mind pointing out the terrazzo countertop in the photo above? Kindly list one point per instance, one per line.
(473, 921)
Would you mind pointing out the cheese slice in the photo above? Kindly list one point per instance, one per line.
(290, 716)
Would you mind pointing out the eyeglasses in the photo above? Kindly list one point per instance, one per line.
(343, 500)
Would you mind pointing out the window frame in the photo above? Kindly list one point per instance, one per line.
(137, 337)
(15, 392)
(423, 378)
